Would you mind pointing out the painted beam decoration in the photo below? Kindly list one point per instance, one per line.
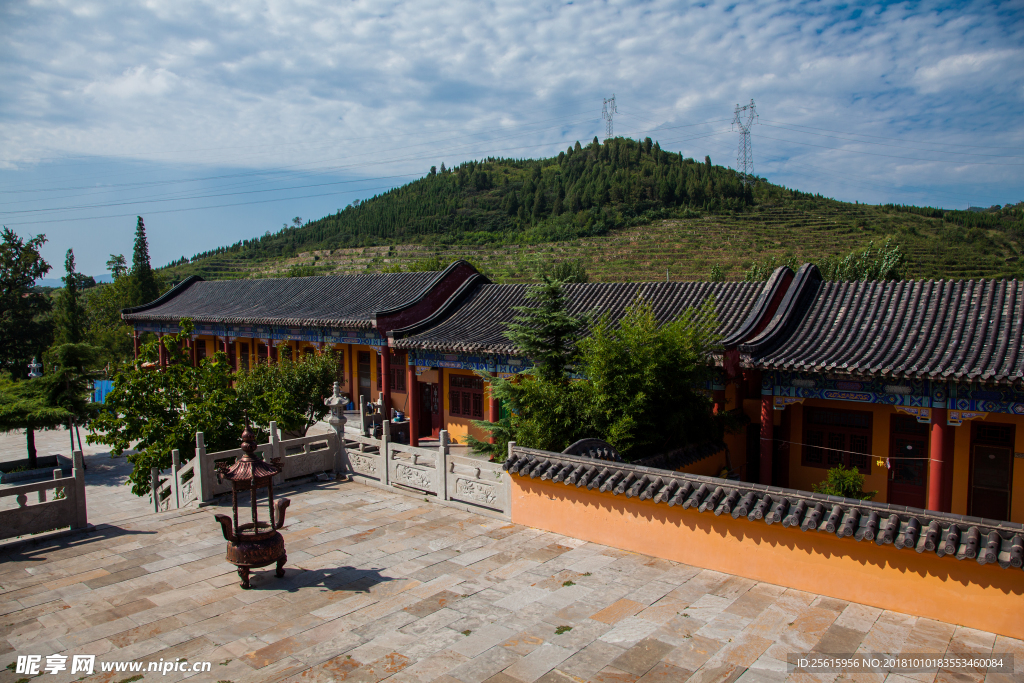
(500, 365)
(266, 334)
(917, 397)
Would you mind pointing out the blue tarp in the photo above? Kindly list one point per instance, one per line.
(100, 389)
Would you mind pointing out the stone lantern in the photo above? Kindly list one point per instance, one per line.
(33, 369)
(253, 544)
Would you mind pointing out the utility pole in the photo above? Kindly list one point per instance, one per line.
(744, 118)
(608, 110)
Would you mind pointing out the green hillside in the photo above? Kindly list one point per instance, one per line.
(628, 210)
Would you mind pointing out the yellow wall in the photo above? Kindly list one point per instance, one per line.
(985, 597)
(803, 478)
(962, 466)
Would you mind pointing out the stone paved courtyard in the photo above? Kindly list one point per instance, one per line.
(385, 586)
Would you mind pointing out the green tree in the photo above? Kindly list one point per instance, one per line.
(23, 332)
(69, 316)
(640, 378)
(291, 393)
(24, 405)
(157, 411)
(566, 271)
(717, 274)
(546, 332)
(848, 483)
(117, 266)
(146, 288)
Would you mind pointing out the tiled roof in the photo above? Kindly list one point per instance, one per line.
(477, 323)
(340, 300)
(968, 330)
(965, 538)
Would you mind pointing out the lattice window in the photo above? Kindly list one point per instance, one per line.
(466, 396)
(837, 437)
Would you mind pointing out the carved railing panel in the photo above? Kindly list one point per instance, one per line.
(477, 482)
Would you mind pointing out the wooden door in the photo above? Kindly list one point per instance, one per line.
(908, 457)
(363, 363)
(426, 416)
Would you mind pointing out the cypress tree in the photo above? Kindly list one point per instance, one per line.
(145, 286)
(70, 313)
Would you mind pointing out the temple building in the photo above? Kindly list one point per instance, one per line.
(918, 384)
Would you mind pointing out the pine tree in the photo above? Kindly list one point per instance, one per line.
(145, 286)
(70, 314)
(545, 332)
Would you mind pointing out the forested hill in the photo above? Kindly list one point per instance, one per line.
(591, 194)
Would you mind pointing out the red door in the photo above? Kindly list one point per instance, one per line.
(430, 410)
(908, 457)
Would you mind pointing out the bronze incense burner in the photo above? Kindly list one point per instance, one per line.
(254, 544)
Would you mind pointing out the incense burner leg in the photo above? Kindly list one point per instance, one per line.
(243, 573)
(280, 566)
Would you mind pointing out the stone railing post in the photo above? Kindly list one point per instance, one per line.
(81, 513)
(511, 445)
(154, 482)
(201, 473)
(441, 465)
(385, 450)
(276, 451)
(275, 442)
(175, 485)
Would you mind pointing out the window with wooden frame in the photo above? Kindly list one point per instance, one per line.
(397, 372)
(466, 396)
(837, 437)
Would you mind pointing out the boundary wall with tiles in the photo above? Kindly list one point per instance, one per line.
(750, 533)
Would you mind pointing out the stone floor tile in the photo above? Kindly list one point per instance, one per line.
(840, 640)
(524, 642)
(534, 665)
(484, 665)
(502, 677)
(610, 674)
(692, 654)
(640, 658)
(591, 659)
(482, 639)
(629, 631)
(724, 627)
(430, 668)
(858, 617)
(618, 611)
(663, 672)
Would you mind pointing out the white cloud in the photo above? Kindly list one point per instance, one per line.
(345, 86)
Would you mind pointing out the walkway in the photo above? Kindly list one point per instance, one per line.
(386, 586)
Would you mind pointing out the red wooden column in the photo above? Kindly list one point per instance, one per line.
(269, 352)
(940, 464)
(767, 434)
(412, 386)
(193, 350)
(385, 380)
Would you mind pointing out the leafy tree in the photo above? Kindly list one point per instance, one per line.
(848, 483)
(566, 271)
(146, 288)
(22, 332)
(69, 315)
(640, 378)
(117, 265)
(157, 411)
(717, 274)
(291, 393)
(24, 405)
(636, 390)
(545, 332)
(887, 263)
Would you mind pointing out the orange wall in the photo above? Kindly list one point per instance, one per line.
(961, 592)
(803, 478)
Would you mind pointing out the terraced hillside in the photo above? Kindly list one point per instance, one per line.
(684, 248)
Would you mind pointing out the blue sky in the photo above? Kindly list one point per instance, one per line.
(218, 121)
